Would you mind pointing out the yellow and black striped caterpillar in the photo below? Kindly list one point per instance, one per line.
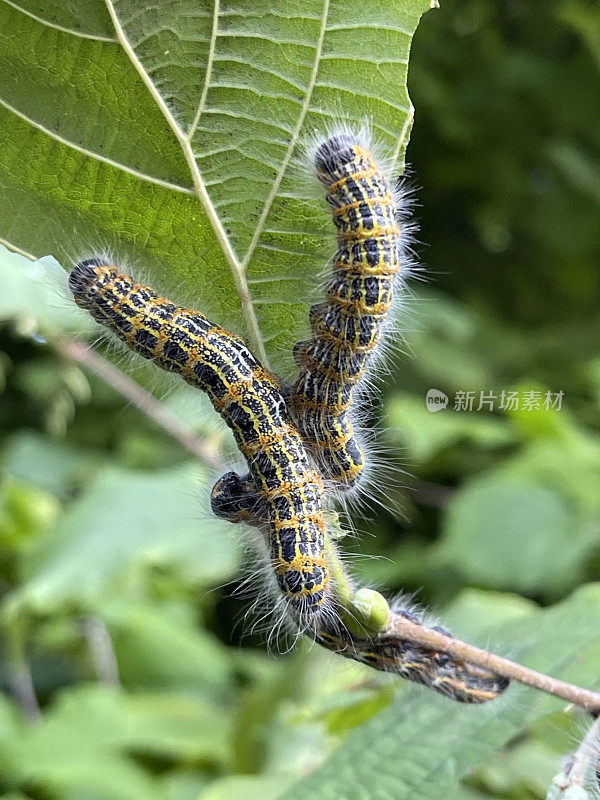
(282, 493)
(348, 325)
(286, 490)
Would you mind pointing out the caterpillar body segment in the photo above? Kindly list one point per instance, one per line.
(347, 327)
(286, 491)
(412, 661)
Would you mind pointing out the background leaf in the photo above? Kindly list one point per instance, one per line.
(36, 296)
(120, 520)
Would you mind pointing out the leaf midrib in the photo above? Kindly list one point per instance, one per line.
(97, 156)
(238, 266)
(294, 140)
(184, 140)
(209, 62)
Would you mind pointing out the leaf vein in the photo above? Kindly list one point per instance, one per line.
(237, 271)
(294, 140)
(209, 63)
(404, 134)
(96, 156)
(15, 249)
(94, 36)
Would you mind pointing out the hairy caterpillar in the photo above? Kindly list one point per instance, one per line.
(286, 490)
(281, 492)
(348, 325)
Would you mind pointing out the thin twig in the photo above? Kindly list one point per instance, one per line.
(405, 629)
(101, 650)
(23, 690)
(21, 681)
(139, 397)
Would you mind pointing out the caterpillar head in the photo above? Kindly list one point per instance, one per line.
(332, 156)
(84, 280)
(234, 498)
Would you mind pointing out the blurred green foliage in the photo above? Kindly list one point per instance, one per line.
(111, 566)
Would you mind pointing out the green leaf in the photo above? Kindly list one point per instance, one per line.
(348, 710)
(40, 461)
(26, 514)
(428, 433)
(183, 785)
(511, 535)
(155, 651)
(14, 796)
(36, 296)
(537, 513)
(123, 518)
(526, 768)
(173, 133)
(422, 745)
(74, 749)
(178, 727)
(11, 722)
(474, 610)
(447, 346)
(87, 740)
(84, 17)
(570, 467)
(245, 787)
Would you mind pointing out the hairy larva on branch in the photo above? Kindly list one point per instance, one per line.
(287, 491)
(347, 327)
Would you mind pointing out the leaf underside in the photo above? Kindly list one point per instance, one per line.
(172, 135)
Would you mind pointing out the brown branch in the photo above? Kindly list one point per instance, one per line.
(139, 397)
(405, 629)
